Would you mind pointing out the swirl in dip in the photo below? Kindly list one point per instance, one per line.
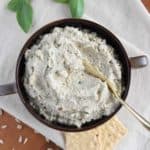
(56, 79)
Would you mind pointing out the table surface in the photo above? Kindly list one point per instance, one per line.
(19, 136)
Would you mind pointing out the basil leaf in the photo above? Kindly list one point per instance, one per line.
(61, 1)
(24, 15)
(76, 8)
(12, 5)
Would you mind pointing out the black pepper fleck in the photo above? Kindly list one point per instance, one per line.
(79, 82)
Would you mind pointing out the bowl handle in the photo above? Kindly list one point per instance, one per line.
(8, 89)
(136, 62)
(139, 61)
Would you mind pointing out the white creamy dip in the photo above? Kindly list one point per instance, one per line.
(56, 79)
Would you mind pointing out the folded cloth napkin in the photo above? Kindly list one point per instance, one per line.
(128, 19)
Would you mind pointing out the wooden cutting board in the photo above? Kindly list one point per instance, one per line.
(15, 135)
(147, 4)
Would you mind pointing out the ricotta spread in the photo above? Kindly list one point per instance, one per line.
(56, 80)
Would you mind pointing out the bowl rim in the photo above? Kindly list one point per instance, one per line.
(60, 127)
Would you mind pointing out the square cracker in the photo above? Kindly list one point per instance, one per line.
(104, 137)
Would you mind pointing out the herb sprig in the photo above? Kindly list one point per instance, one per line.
(24, 11)
(76, 7)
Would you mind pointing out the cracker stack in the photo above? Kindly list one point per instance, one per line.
(104, 137)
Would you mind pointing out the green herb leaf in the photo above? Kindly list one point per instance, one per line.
(76, 8)
(12, 5)
(61, 1)
(24, 15)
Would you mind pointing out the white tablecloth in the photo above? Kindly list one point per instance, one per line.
(128, 19)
